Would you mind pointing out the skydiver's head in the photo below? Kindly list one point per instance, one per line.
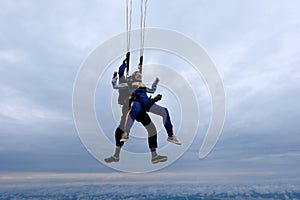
(137, 76)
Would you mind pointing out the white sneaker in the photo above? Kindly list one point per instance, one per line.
(124, 138)
(174, 140)
(159, 158)
(112, 159)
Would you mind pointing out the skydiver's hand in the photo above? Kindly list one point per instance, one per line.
(115, 74)
(156, 80)
(157, 98)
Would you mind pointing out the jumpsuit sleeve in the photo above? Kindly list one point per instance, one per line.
(122, 86)
(122, 70)
(121, 76)
(152, 89)
(114, 81)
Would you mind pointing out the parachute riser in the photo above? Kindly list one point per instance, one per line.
(141, 64)
(127, 63)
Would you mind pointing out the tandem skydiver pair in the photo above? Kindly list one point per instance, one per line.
(135, 106)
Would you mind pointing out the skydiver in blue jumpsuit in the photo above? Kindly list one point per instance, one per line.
(140, 102)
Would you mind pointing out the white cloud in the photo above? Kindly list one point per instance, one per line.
(11, 56)
(119, 178)
(16, 105)
(255, 46)
(278, 157)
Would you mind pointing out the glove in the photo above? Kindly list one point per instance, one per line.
(156, 80)
(157, 98)
(115, 74)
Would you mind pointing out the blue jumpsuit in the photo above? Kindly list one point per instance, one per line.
(138, 107)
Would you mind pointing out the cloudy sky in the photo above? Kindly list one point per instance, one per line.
(254, 45)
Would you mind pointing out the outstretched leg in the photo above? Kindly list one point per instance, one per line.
(118, 135)
(164, 113)
(116, 156)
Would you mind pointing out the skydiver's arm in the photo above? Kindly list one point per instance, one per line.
(118, 86)
(122, 70)
(122, 86)
(114, 80)
(153, 87)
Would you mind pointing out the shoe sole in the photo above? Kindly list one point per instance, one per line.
(178, 143)
(110, 161)
(123, 140)
(159, 160)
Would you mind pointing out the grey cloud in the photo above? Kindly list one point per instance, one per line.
(254, 46)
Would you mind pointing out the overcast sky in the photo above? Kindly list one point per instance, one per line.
(254, 45)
